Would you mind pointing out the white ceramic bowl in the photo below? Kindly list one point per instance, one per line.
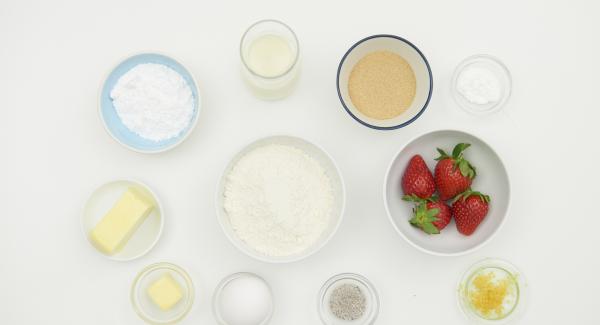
(492, 179)
(331, 170)
(411, 54)
(103, 199)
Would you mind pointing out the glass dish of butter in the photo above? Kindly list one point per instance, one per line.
(162, 293)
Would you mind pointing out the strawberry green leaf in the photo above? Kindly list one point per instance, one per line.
(459, 148)
(469, 192)
(430, 228)
(464, 168)
(424, 218)
(412, 198)
(443, 154)
(433, 213)
(461, 196)
(421, 209)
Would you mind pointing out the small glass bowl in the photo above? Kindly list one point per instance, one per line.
(224, 283)
(372, 299)
(147, 309)
(499, 267)
(498, 69)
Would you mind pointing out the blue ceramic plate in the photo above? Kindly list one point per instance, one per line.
(113, 123)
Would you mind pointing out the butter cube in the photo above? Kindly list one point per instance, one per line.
(119, 224)
(165, 292)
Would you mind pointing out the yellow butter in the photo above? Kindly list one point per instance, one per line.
(119, 224)
(165, 292)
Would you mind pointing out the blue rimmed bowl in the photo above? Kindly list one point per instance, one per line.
(415, 59)
(113, 124)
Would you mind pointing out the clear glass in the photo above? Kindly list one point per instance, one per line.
(145, 307)
(270, 86)
(371, 312)
(219, 290)
(514, 308)
(498, 69)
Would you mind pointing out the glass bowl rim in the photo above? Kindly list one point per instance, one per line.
(157, 266)
(225, 281)
(372, 311)
(296, 56)
(490, 59)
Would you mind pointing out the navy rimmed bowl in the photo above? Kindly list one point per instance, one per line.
(411, 54)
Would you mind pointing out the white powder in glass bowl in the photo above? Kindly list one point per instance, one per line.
(279, 200)
(153, 101)
(479, 86)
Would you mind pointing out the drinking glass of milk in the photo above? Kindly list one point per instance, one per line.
(270, 57)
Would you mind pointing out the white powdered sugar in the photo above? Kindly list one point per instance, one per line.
(279, 200)
(479, 86)
(153, 101)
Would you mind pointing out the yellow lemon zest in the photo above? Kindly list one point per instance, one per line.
(488, 295)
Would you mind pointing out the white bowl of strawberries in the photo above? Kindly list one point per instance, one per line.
(447, 192)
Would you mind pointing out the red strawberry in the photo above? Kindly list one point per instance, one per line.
(417, 178)
(469, 209)
(430, 215)
(453, 174)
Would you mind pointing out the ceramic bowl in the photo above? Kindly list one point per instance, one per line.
(113, 124)
(411, 54)
(491, 179)
(103, 199)
(339, 197)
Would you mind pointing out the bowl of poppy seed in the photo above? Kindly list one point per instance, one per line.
(384, 82)
(348, 298)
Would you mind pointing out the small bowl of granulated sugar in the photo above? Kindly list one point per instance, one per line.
(149, 103)
(348, 299)
(384, 82)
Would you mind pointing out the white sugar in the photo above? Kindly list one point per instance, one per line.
(153, 101)
(479, 86)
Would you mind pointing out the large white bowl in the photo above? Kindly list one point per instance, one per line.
(339, 196)
(492, 179)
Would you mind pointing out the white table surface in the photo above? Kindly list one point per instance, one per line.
(54, 55)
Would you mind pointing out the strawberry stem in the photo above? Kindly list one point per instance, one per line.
(412, 198)
(469, 192)
(424, 218)
(465, 167)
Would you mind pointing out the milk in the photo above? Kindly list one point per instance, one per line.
(270, 56)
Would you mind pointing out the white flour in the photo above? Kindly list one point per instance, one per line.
(153, 101)
(279, 200)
